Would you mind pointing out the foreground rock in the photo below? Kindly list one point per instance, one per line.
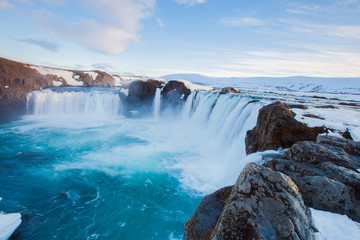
(175, 92)
(263, 204)
(326, 173)
(276, 128)
(206, 215)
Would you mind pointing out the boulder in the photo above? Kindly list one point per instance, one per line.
(229, 90)
(263, 204)
(276, 128)
(175, 92)
(140, 91)
(326, 174)
(316, 153)
(348, 145)
(206, 215)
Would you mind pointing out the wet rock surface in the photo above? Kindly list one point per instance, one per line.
(175, 92)
(276, 128)
(140, 91)
(263, 204)
(326, 173)
(206, 215)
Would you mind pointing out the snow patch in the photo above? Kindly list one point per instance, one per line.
(8, 224)
(124, 91)
(93, 75)
(196, 87)
(117, 80)
(65, 74)
(334, 226)
(339, 119)
(57, 84)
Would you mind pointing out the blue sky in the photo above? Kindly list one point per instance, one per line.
(212, 37)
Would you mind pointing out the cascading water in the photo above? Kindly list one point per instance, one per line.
(49, 102)
(156, 104)
(114, 177)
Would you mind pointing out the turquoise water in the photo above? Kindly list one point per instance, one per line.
(89, 182)
(83, 171)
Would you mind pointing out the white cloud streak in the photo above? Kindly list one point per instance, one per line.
(242, 22)
(114, 28)
(190, 2)
(160, 22)
(5, 4)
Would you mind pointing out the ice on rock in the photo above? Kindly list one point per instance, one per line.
(8, 224)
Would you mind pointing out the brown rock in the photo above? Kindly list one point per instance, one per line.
(175, 92)
(229, 90)
(276, 127)
(140, 91)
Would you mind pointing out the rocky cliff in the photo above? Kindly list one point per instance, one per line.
(272, 201)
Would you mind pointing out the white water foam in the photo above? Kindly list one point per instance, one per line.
(203, 145)
(48, 102)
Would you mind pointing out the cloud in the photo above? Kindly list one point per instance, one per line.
(341, 31)
(53, 47)
(6, 4)
(306, 10)
(113, 27)
(190, 2)
(160, 22)
(320, 63)
(242, 22)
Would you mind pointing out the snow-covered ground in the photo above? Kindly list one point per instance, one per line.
(68, 76)
(338, 119)
(334, 226)
(196, 87)
(303, 84)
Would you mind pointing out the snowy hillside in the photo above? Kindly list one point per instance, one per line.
(304, 84)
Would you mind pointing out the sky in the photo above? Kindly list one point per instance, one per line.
(220, 38)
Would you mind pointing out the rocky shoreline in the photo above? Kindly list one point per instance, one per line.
(272, 201)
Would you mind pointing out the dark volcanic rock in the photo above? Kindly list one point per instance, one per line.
(327, 106)
(325, 173)
(316, 153)
(299, 106)
(313, 116)
(200, 225)
(140, 91)
(276, 127)
(349, 146)
(264, 204)
(229, 90)
(175, 92)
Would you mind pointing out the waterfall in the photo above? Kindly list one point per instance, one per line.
(207, 135)
(93, 102)
(156, 104)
